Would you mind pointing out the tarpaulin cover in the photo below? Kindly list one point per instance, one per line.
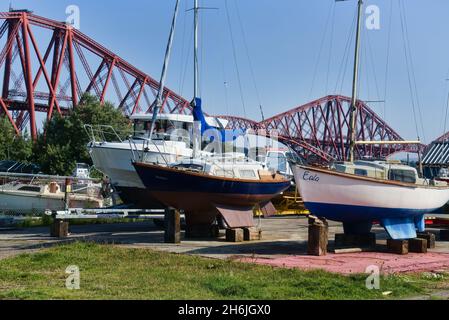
(236, 217)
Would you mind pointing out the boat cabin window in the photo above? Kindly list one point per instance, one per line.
(30, 188)
(361, 172)
(408, 176)
(190, 166)
(162, 128)
(225, 173)
(293, 158)
(277, 161)
(247, 174)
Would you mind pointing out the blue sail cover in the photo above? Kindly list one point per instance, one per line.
(211, 134)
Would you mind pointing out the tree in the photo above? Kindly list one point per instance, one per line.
(13, 147)
(64, 140)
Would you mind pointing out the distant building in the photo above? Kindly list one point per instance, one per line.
(435, 159)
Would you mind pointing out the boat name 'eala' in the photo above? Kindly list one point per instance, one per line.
(310, 177)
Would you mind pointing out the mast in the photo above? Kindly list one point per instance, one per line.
(355, 83)
(158, 102)
(195, 54)
(195, 75)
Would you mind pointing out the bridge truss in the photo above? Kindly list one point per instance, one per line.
(48, 67)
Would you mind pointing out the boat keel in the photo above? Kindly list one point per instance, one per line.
(403, 228)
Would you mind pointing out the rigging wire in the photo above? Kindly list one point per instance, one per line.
(250, 64)
(330, 48)
(320, 51)
(447, 108)
(183, 47)
(224, 74)
(344, 62)
(443, 118)
(235, 57)
(187, 59)
(408, 66)
(387, 64)
(413, 71)
(370, 51)
(364, 62)
(201, 64)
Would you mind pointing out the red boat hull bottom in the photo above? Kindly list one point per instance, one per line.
(201, 208)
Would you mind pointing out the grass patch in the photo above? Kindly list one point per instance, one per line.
(110, 272)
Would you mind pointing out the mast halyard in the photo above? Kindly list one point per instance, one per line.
(355, 84)
(158, 102)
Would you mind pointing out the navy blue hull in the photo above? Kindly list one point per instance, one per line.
(138, 198)
(399, 223)
(347, 213)
(199, 193)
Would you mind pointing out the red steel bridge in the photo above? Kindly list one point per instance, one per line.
(48, 66)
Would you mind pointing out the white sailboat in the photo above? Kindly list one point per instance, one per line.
(159, 139)
(207, 185)
(358, 193)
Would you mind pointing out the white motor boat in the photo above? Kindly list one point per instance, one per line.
(22, 198)
(169, 143)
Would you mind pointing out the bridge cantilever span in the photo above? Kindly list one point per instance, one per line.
(48, 66)
(68, 64)
(321, 129)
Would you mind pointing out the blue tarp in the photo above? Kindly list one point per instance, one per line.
(211, 133)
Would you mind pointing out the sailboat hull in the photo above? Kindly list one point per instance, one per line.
(200, 194)
(356, 200)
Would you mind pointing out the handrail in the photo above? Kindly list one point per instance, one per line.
(92, 130)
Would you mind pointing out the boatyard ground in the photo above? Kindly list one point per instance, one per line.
(130, 261)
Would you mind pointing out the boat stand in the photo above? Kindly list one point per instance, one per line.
(318, 237)
(172, 219)
(172, 226)
(243, 234)
(367, 240)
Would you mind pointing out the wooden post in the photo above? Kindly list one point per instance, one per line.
(417, 245)
(234, 235)
(318, 236)
(172, 226)
(397, 246)
(252, 234)
(59, 228)
(430, 237)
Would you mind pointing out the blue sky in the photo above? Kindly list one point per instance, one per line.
(283, 39)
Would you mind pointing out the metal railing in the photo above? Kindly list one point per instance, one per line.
(100, 133)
